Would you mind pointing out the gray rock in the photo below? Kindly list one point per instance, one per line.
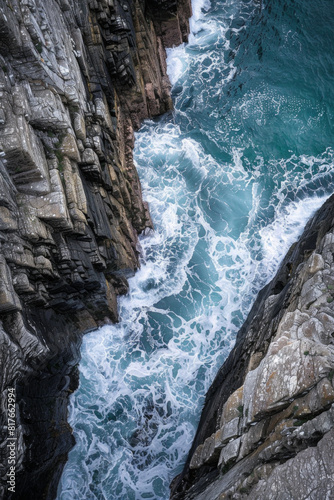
(230, 452)
(308, 475)
(279, 378)
(230, 430)
(71, 205)
(9, 301)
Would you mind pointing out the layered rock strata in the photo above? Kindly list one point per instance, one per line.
(267, 427)
(76, 79)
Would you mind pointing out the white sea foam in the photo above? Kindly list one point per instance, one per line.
(197, 23)
(277, 237)
(154, 383)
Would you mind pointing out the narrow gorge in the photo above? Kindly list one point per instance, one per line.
(207, 308)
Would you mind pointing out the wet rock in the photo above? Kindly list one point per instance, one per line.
(76, 80)
(9, 300)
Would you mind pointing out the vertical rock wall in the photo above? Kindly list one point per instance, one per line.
(77, 77)
(267, 426)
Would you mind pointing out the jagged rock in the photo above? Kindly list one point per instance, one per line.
(47, 110)
(282, 376)
(308, 475)
(76, 80)
(79, 126)
(24, 156)
(69, 148)
(232, 407)
(8, 222)
(196, 459)
(272, 401)
(230, 452)
(230, 430)
(255, 434)
(9, 301)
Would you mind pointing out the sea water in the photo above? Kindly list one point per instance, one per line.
(231, 178)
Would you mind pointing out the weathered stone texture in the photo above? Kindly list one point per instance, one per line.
(77, 77)
(271, 405)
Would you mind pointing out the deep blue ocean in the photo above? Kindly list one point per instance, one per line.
(231, 178)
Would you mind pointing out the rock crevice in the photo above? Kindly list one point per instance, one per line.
(77, 77)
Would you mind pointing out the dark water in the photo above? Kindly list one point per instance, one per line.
(231, 179)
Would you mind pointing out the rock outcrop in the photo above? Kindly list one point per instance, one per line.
(267, 427)
(76, 79)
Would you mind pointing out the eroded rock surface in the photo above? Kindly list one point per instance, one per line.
(267, 427)
(77, 77)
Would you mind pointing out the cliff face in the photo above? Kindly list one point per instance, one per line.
(267, 427)
(77, 77)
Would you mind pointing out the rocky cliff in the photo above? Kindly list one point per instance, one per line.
(76, 79)
(267, 426)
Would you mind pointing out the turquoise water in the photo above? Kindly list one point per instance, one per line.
(231, 178)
